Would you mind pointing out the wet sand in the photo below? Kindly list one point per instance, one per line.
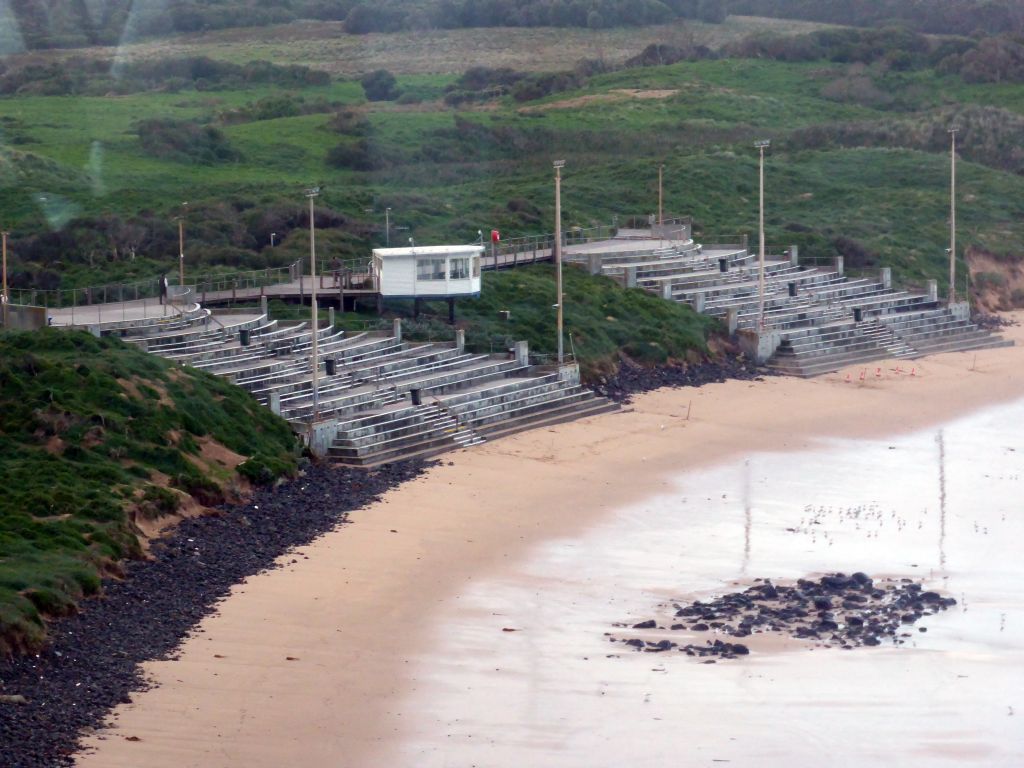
(385, 646)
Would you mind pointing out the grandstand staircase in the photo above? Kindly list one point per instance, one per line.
(386, 399)
(826, 320)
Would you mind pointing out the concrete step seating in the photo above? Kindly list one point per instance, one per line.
(260, 333)
(344, 402)
(214, 327)
(285, 382)
(376, 377)
(712, 281)
(910, 334)
(269, 374)
(334, 385)
(235, 360)
(425, 431)
(831, 348)
(462, 418)
(938, 330)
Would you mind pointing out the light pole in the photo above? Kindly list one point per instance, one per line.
(661, 214)
(952, 216)
(761, 146)
(387, 227)
(312, 194)
(5, 296)
(559, 165)
(181, 248)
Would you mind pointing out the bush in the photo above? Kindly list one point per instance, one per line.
(379, 85)
(186, 142)
(855, 254)
(989, 281)
(364, 19)
(362, 155)
(544, 84)
(264, 470)
(350, 122)
(160, 501)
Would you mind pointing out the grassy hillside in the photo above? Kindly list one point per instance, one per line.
(602, 321)
(94, 438)
(858, 163)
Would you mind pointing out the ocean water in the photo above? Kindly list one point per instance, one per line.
(944, 506)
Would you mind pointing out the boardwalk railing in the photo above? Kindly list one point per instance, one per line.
(534, 248)
(247, 280)
(88, 295)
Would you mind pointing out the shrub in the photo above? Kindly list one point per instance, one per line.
(379, 85)
(186, 142)
(350, 122)
(158, 501)
(988, 281)
(855, 254)
(264, 470)
(363, 155)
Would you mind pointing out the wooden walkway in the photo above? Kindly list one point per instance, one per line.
(346, 285)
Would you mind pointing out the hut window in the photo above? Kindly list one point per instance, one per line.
(430, 269)
(459, 269)
(476, 266)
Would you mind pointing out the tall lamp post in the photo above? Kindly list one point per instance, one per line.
(387, 227)
(312, 194)
(559, 165)
(661, 209)
(5, 296)
(761, 147)
(952, 216)
(181, 247)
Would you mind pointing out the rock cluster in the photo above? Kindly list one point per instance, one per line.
(633, 379)
(91, 665)
(836, 610)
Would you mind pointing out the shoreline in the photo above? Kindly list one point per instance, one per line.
(92, 660)
(308, 662)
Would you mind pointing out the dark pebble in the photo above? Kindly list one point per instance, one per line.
(92, 661)
(633, 379)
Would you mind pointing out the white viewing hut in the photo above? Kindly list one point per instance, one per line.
(428, 272)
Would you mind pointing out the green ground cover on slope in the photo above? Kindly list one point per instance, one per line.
(447, 173)
(602, 320)
(95, 434)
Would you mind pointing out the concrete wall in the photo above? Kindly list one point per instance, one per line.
(569, 373)
(22, 318)
(319, 437)
(759, 347)
(671, 231)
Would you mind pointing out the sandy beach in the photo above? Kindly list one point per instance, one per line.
(369, 644)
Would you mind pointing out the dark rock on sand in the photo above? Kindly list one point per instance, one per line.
(92, 661)
(633, 379)
(847, 611)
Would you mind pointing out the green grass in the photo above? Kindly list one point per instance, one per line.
(90, 430)
(602, 321)
(444, 186)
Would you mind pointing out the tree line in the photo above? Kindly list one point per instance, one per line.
(78, 23)
(950, 17)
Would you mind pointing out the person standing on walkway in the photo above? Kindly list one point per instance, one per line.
(163, 289)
